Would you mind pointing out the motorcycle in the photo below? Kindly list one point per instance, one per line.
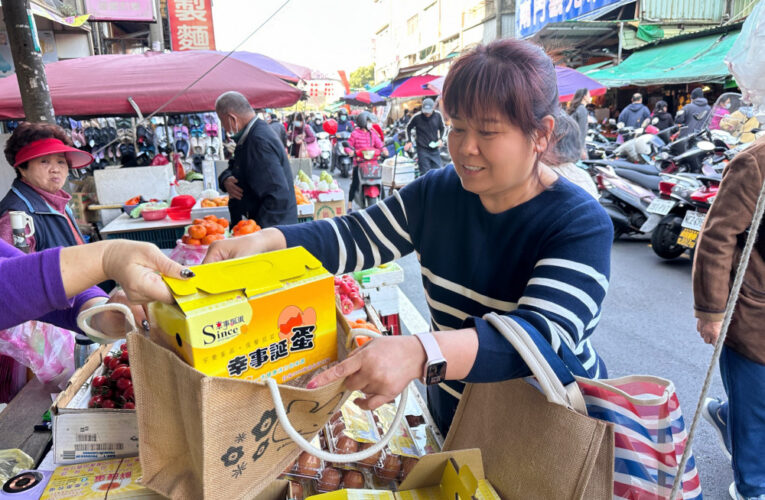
(624, 201)
(370, 177)
(684, 208)
(342, 160)
(325, 147)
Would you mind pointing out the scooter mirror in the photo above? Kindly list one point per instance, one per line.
(705, 146)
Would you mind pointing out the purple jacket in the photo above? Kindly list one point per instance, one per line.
(31, 288)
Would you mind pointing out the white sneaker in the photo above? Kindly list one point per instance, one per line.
(735, 495)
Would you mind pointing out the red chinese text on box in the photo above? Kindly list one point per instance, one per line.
(191, 25)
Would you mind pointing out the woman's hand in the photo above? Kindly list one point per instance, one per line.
(136, 267)
(266, 240)
(381, 369)
(113, 323)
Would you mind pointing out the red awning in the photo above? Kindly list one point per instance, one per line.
(101, 85)
(416, 86)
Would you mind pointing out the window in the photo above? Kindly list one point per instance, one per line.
(411, 25)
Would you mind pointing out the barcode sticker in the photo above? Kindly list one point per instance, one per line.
(68, 455)
(99, 447)
(86, 438)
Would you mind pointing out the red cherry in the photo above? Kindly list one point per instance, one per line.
(121, 371)
(124, 357)
(108, 403)
(99, 381)
(95, 402)
(124, 383)
(129, 394)
(129, 405)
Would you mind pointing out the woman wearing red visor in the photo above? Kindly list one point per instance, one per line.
(42, 155)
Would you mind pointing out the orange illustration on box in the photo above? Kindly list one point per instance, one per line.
(269, 315)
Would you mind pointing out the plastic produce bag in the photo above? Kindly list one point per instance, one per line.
(45, 349)
(12, 462)
(746, 60)
(188, 255)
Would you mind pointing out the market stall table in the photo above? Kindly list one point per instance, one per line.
(164, 233)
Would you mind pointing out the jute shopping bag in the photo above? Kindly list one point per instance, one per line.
(211, 437)
(535, 445)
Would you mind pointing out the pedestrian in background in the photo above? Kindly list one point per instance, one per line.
(259, 176)
(566, 153)
(739, 421)
(299, 136)
(694, 115)
(636, 113)
(428, 126)
(577, 108)
(278, 128)
(662, 120)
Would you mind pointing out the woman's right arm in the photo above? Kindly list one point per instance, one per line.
(35, 285)
(353, 242)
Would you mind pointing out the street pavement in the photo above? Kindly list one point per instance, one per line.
(647, 327)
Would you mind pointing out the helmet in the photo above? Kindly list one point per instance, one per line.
(361, 119)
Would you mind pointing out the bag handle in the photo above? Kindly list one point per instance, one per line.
(83, 321)
(304, 445)
(555, 379)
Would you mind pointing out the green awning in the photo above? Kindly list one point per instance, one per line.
(592, 67)
(695, 60)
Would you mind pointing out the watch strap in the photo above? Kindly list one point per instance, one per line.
(430, 344)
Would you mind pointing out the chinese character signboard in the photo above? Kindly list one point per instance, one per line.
(121, 10)
(191, 26)
(532, 15)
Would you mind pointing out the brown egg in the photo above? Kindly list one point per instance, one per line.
(338, 428)
(390, 468)
(308, 465)
(330, 479)
(353, 479)
(371, 460)
(346, 445)
(335, 417)
(407, 464)
(296, 490)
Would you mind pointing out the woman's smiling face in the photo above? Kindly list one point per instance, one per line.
(493, 157)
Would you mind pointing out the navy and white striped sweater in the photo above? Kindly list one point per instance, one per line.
(545, 262)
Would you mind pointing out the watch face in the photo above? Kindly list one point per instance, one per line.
(436, 373)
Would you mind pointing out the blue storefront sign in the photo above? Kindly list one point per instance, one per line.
(532, 15)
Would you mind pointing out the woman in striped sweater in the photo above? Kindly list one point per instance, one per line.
(498, 231)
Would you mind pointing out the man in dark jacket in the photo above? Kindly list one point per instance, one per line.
(429, 128)
(278, 128)
(635, 114)
(739, 421)
(693, 116)
(260, 175)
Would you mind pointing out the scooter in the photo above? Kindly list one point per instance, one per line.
(325, 146)
(624, 201)
(684, 208)
(342, 160)
(370, 177)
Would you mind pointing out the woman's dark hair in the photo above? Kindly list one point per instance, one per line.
(511, 77)
(577, 100)
(27, 133)
(298, 117)
(659, 107)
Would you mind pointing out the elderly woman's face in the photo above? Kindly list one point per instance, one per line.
(48, 173)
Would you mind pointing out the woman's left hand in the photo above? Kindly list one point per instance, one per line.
(113, 323)
(381, 369)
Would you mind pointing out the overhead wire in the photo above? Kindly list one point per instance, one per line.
(210, 70)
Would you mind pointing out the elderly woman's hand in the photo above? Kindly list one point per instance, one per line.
(138, 267)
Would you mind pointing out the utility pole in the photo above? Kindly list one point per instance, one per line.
(27, 58)
(156, 35)
(498, 3)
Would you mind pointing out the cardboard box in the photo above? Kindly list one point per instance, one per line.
(306, 210)
(269, 315)
(199, 212)
(404, 174)
(113, 479)
(384, 275)
(441, 476)
(329, 209)
(79, 205)
(82, 434)
(384, 299)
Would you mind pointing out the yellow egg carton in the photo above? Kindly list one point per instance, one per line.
(268, 315)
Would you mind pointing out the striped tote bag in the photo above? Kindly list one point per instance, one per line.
(649, 435)
(648, 425)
